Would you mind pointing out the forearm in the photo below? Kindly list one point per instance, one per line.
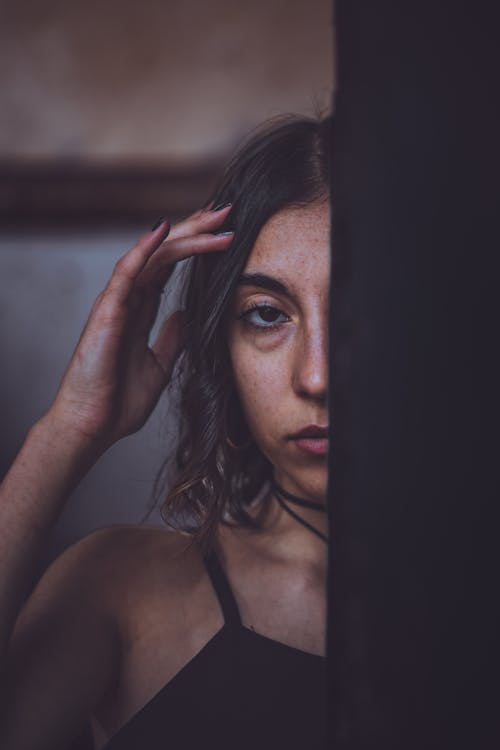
(49, 465)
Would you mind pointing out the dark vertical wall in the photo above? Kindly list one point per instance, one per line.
(414, 489)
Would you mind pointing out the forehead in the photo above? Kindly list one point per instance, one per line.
(294, 245)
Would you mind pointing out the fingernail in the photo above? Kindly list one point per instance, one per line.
(221, 206)
(223, 234)
(158, 223)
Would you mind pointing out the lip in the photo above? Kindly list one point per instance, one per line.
(317, 446)
(312, 439)
(311, 431)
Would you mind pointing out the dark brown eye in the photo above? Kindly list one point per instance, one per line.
(264, 317)
(268, 313)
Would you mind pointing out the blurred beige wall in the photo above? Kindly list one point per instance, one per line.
(116, 81)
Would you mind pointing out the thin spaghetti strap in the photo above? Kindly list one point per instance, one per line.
(222, 589)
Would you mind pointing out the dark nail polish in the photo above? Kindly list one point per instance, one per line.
(221, 206)
(157, 224)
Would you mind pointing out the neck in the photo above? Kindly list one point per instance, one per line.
(300, 501)
(302, 517)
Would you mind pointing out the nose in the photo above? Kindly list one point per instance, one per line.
(310, 371)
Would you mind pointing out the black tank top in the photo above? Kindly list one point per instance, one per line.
(242, 690)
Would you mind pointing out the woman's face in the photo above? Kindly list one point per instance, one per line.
(278, 339)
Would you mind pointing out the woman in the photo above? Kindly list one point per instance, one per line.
(214, 632)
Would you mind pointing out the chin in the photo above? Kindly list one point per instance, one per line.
(311, 482)
(319, 489)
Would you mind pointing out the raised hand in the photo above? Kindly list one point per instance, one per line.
(115, 378)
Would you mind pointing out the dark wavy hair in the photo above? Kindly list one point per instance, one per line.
(219, 468)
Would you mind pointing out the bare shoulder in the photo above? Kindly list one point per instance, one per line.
(137, 549)
(130, 561)
(91, 579)
(77, 630)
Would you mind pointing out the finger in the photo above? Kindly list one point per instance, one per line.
(201, 221)
(170, 342)
(144, 300)
(161, 266)
(130, 265)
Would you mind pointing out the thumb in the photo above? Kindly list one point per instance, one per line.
(170, 341)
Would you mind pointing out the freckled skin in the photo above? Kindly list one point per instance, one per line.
(281, 375)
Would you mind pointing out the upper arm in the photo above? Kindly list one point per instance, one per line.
(64, 652)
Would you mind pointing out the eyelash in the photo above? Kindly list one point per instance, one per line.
(265, 328)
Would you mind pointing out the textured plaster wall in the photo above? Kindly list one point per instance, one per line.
(160, 78)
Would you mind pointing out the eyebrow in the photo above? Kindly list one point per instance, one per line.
(263, 281)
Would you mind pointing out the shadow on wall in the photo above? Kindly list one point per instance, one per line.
(49, 284)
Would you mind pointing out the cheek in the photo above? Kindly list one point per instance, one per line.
(260, 383)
